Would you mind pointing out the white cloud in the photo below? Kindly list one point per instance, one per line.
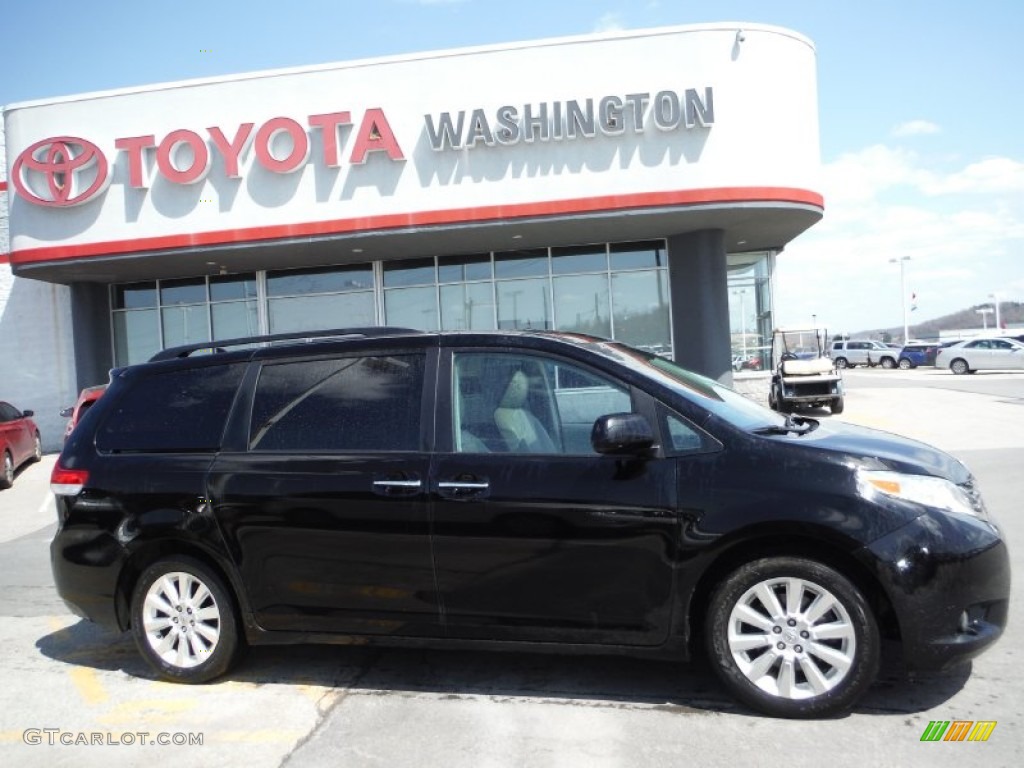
(962, 227)
(993, 174)
(610, 22)
(915, 128)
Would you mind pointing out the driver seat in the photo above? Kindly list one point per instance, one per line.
(521, 430)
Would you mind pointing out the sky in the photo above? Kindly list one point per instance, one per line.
(921, 112)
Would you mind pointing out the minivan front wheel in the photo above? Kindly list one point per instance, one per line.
(792, 637)
(183, 621)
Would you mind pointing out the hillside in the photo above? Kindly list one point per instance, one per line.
(1011, 314)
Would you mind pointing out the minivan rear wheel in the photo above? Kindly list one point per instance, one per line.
(183, 621)
(792, 637)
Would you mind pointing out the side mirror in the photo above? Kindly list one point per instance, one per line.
(28, 414)
(622, 433)
(65, 413)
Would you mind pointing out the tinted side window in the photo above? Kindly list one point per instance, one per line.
(345, 404)
(181, 410)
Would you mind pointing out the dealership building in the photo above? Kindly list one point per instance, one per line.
(634, 185)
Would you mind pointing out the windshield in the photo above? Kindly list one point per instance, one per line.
(730, 406)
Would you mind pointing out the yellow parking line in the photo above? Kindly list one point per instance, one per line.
(147, 711)
(88, 684)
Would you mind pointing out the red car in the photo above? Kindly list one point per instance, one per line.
(85, 401)
(19, 441)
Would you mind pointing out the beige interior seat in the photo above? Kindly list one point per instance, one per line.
(521, 430)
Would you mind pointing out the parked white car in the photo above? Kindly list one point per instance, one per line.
(982, 355)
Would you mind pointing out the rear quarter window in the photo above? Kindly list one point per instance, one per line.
(342, 405)
(178, 411)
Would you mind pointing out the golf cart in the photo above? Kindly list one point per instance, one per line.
(804, 375)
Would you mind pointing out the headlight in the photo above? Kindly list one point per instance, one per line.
(920, 489)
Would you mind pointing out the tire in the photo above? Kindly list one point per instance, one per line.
(888, 363)
(959, 366)
(842, 362)
(7, 471)
(905, 364)
(37, 452)
(773, 398)
(822, 678)
(837, 405)
(212, 645)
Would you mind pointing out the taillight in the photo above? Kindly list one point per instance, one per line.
(67, 482)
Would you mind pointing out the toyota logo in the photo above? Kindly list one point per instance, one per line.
(60, 172)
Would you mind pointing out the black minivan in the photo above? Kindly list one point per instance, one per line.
(497, 489)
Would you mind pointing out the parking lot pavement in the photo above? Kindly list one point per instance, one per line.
(358, 706)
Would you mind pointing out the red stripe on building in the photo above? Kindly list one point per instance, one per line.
(482, 214)
(3, 186)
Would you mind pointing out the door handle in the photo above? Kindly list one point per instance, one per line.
(397, 487)
(463, 489)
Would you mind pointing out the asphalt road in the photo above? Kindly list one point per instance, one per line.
(355, 706)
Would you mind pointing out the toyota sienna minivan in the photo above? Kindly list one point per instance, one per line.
(528, 489)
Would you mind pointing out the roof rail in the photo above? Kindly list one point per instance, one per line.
(221, 345)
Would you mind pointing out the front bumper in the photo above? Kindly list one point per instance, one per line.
(948, 579)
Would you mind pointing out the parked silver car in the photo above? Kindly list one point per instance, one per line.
(853, 352)
(982, 354)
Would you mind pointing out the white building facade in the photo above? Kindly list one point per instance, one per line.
(633, 185)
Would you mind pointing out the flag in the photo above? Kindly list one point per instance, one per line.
(913, 302)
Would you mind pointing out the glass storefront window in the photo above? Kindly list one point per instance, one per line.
(135, 296)
(185, 325)
(413, 272)
(643, 255)
(295, 282)
(640, 301)
(411, 308)
(136, 336)
(524, 304)
(469, 306)
(310, 313)
(228, 287)
(192, 291)
(235, 319)
(581, 304)
(617, 290)
(586, 258)
(750, 310)
(530, 263)
(458, 269)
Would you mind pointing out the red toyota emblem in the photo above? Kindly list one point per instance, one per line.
(60, 172)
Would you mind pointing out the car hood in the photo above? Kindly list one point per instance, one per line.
(885, 450)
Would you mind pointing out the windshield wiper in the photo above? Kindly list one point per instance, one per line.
(799, 425)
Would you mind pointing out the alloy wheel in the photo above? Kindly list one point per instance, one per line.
(181, 619)
(792, 638)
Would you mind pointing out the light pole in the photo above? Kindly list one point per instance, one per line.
(984, 312)
(743, 320)
(903, 290)
(995, 303)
